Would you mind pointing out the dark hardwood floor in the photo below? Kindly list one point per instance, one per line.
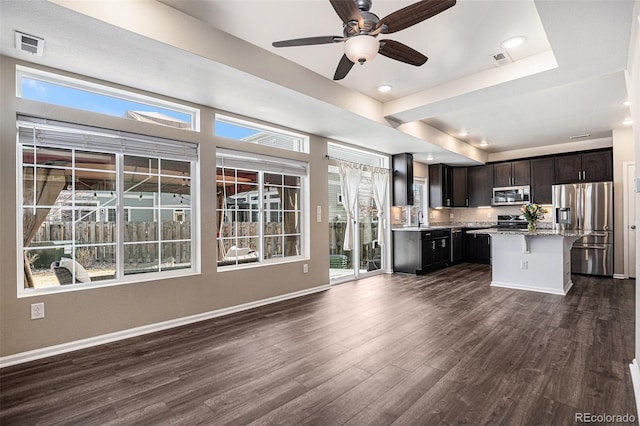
(444, 348)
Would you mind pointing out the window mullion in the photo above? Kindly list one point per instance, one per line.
(158, 209)
(120, 216)
(73, 215)
(261, 214)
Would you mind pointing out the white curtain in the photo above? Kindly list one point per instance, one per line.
(380, 181)
(350, 175)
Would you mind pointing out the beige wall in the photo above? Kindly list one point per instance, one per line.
(623, 151)
(88, 313)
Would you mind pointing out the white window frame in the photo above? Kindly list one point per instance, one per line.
(260, 236)
(119, 243)
(99, 89)
(302, 143)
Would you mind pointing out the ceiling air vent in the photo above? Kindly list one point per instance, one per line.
(585, 135)
(501, 58)
(29, 44)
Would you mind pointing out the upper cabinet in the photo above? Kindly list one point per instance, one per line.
(459, 191)
(480, 179)
(440, 186)
(594, 166)
(402, 165)
(512, 173)
(541, 180)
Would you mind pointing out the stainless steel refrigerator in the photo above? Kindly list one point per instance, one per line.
(588, 207)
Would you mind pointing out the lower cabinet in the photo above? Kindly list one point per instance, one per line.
(421, 251)
(477, 248)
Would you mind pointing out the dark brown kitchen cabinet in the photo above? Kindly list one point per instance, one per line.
(480, 180)
(418, 252)
(511, 173)
(459, 190)
(593, 166)
(597, 166)
(402, 165)
(440, 186)
(477, 247)
(542, 180)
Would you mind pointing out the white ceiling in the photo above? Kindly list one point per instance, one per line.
(567, 79)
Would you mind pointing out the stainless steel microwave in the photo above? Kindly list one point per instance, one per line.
(509, 195)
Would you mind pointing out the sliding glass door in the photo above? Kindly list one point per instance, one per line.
(366, 255)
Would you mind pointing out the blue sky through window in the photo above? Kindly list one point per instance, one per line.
(81, 99)
(233, 131)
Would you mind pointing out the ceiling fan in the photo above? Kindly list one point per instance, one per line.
(361, 27)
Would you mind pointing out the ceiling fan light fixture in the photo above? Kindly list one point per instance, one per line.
(512, 42)
(361, 48)
(385, 88)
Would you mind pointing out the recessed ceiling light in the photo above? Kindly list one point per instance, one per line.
(385, 88)
(463, 133)
(512, 42)
(484, 143)
(626, 103)
(429, 157)
(627, 122)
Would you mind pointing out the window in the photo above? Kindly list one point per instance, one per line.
(234, 128)
(70, 92)
(260, 208)
(100, 205)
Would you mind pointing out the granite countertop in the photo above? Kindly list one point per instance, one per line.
(441, 225)
(538, 232)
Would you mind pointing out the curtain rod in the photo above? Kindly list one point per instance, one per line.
(355, 162)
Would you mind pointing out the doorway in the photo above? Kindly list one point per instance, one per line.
(629, 171)
(366, 255)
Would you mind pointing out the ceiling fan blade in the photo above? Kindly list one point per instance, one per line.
(401, 52)
(413, 14)
(347, 11)
(343, 69)
(308, 41)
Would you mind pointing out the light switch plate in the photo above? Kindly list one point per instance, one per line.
(318, 214)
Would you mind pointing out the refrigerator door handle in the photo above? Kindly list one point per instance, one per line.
(591, 247)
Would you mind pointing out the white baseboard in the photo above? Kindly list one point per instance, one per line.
(567, 287)
(620, 277)
(35, 354)
(635, 378)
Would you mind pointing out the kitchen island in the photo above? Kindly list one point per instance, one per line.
(535, 261)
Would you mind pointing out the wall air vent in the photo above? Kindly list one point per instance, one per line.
(501, 58)
(29, 44)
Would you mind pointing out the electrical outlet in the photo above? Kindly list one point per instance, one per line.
(450, 215)
(37, 311)
(488, 215)
(431, 215)
(305, 268)
(524, 264)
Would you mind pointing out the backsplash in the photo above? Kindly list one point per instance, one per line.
(476, 216)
